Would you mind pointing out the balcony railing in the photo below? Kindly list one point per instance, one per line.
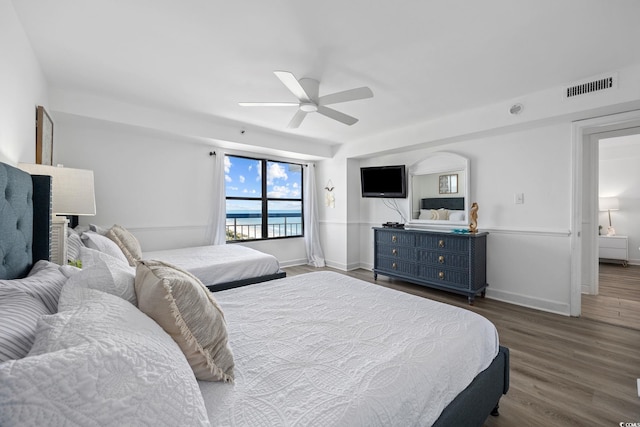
(248, 226)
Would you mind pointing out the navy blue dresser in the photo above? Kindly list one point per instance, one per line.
(437, 259)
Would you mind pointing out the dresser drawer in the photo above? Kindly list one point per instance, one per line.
(444, 259)
(442, 243)
(396, 266)
(445, 276)
(396, 251)
(399, 238)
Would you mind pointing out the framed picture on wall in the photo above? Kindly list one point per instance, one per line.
(44, 137)
(448, 184)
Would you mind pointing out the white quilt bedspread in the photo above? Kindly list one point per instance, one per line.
(324, 349)
(219, 263)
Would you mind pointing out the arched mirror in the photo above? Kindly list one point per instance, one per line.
(439, 192)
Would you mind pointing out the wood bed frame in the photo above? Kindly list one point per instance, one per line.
(470, 408)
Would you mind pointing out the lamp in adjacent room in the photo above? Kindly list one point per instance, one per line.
(72, 194)
(608, 204)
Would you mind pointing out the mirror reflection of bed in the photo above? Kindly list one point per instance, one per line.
(432, 200)
(317, 348)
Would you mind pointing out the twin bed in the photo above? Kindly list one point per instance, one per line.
(315, 349)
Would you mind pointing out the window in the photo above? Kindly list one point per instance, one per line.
(264, 199)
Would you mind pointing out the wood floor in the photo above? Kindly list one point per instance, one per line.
(565, 371)
(618, 300)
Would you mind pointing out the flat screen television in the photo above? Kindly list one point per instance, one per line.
(384, 181)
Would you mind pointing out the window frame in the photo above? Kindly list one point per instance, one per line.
(264, 199)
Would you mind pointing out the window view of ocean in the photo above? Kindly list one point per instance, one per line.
(245, 225)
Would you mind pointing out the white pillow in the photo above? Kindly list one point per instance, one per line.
(19, 314)
(456, 216)
(104, 273)
(104, 363)
(103, 244)
(43, 282)
(74, 243)
(443, 214)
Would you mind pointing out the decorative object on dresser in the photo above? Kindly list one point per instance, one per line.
(44, 137)
(444, 260)
(72, 194)
(613, 248)
(608, 204)
(473, 214)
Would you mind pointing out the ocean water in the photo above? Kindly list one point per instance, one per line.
(284, 223)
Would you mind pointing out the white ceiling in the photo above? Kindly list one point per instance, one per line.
(422, 58)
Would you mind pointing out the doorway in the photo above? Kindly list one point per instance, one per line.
(585, 213)
(615, 295)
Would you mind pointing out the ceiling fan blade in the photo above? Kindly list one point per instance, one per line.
(337, 115)
(347, 95)
(290, 81)
(268, 104)
(297, 119)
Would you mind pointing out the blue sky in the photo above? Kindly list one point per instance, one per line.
(243, 179)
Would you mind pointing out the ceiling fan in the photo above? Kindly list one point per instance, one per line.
(306, 90)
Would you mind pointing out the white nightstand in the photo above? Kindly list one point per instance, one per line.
(59, 240)
(613, 248)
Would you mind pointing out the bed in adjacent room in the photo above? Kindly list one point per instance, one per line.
(110, 347)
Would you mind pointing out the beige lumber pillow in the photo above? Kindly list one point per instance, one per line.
(187, 311)
(127, 243)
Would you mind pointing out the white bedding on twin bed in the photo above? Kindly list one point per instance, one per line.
(219, 263)
(326, 349)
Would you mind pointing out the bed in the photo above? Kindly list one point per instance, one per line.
(442, 209)
(222, 267)
(315, 349)
(219, 267)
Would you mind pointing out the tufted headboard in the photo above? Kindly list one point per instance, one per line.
(451, 203)
(25, 221)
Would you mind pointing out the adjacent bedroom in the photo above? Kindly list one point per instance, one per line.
(334, 214)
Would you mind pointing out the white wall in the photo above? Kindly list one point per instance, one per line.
(619, 177)
(529, 249)
(153, 183)
(22, 88)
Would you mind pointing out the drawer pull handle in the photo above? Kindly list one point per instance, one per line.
(394, 251)
(441, 259)
(394, 266)
(394, 238)
(441, 243)
(441, 275)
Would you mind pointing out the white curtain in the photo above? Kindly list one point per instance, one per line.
(315, 256)
(216, 232)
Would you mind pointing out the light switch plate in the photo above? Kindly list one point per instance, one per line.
(518, 198)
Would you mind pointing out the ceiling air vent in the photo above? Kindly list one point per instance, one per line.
(590, 86)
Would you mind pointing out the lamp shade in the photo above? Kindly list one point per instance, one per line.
(73, 190)
(609, 203)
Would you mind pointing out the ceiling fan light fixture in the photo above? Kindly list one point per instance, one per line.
(306, 90)
(308, 107)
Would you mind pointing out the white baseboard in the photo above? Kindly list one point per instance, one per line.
(293, 262)
(529, 302)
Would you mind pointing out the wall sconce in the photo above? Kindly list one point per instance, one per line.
(329, 198)
(608, 204)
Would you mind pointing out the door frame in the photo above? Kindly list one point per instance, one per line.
(585, 138)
